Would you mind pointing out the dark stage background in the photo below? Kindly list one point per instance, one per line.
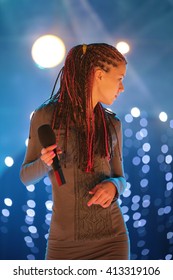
(25, 212)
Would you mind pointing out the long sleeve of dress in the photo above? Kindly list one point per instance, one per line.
(116, 162)
(33, 169)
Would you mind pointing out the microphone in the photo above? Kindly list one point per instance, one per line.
(47, 138)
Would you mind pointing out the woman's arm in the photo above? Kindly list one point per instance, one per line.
(110, 189)
(33, 168)
(116, 162)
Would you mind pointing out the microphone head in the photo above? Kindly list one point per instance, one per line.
(46, 135)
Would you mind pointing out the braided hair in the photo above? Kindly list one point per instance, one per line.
(74, 101)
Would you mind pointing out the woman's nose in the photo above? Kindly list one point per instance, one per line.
(121, 88)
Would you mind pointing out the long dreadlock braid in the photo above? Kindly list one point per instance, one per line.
(74, 100)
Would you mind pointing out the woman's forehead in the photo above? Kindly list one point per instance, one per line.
(120, 69)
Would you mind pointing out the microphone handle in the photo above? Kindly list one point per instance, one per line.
(60, 177)
(58, 171)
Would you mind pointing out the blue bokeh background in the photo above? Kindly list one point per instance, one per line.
(147, 27)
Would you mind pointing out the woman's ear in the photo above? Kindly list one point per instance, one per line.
(98, 74)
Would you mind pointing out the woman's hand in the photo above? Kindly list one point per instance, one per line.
(103, 194)
(47, 154)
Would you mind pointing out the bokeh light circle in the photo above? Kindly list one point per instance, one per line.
(163, 116)
(48, 51)
(123, 47)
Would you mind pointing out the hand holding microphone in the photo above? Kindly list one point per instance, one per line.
(49, 153)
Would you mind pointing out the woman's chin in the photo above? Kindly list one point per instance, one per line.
(109, 102)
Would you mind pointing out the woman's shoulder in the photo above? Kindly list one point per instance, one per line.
(46, 107)
(112, 117)
(44, 113)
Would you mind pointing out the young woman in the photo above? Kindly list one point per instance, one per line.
(87, 222)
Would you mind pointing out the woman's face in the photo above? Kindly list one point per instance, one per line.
(108, 85)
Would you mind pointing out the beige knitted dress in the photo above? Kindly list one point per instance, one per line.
(77, 231)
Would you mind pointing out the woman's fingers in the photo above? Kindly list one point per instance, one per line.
(99, 196)
(48, 149)
(47, 154)
(102, 194)
(48, 157)
(107, 203)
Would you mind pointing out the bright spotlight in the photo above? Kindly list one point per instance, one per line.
(123, 47)
(9, 161)
(48, 51)
(163, 116)
(135, 112)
